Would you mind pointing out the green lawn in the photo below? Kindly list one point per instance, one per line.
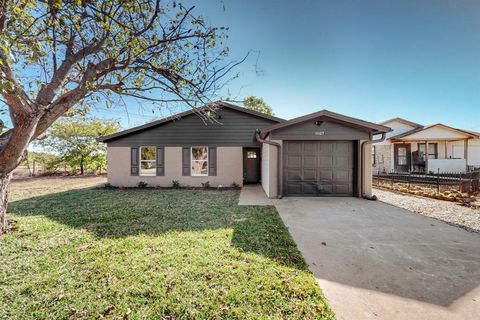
(149, 254)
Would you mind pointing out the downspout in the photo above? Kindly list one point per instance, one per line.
(279, 159)
(362, 152)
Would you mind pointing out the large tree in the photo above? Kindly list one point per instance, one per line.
(56, 54)
(257, 104)
(76, 142)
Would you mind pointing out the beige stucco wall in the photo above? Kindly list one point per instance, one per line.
(264, 172)
(229, 168)
(367, 169)
(269, 169)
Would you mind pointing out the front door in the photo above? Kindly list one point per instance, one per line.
(402, 154)
(251, 165)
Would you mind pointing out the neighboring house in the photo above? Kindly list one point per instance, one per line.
(317, 154)
(406, 147)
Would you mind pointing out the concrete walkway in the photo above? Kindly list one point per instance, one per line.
(376, 261)
(253, 195)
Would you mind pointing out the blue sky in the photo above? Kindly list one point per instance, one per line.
(369, 59)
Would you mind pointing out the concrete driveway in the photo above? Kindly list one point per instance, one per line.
(376, 261)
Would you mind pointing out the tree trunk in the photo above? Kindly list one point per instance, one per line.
(81, 166)
(4, 186)
(13, 151)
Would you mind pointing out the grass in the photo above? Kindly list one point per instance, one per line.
(149, 254)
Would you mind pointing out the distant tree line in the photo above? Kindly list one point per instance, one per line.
(71, 146)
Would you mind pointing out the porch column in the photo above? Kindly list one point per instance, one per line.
(465, 153)
(426, 157)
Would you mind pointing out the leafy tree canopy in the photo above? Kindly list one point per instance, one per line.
(257, 104)
(75, 141)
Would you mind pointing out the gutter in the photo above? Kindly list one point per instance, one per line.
(279, 160)
(362, 151)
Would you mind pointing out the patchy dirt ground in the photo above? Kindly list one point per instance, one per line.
(449, 212)
(27, 187)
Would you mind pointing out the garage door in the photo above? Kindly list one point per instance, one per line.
(318, 168)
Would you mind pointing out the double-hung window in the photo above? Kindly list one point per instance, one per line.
(148, 161)
(432, 150)
(199, 161)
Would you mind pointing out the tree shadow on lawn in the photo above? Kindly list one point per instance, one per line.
(113, 213)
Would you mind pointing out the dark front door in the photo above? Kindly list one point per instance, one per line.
(402, 154)
(318, 168)
(251, 165)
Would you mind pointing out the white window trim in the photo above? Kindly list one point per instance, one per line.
(191, 161)
(140, 162)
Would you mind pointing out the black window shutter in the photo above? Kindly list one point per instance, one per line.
(134, 161)
(160, 161)
(212, 161)
(186, 161)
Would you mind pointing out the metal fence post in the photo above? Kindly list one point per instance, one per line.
(438, 180)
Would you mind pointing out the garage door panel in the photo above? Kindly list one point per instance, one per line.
(310, 161)
(309, 188)
(310, 174)
(325, 188)
(325, 161)
(310, 148)
(342, 147)
(294, 188)
(294, 175)
(342, 188)
(293, 148)
(325, 148)
(325, 175)
(342, 175)
(294, 161)
(341, 162)
(318, 168)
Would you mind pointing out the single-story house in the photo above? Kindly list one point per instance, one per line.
(405, 149)
(323, 153)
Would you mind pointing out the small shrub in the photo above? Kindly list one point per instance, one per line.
(142, 184)
(175, 184)
(108, 185)
(235, 185)
(206, 185)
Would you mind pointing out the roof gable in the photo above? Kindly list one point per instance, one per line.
(402, 121)
(178, 117)
(349, 121)
(435, 132)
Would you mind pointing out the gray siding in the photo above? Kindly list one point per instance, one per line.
(235, 129)
(328, 130)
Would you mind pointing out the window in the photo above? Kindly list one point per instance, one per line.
(402, 156)
(199, 156)
(251, 154)
(432, 150)
(147, 161)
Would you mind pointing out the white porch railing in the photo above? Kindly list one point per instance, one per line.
(447, 165)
